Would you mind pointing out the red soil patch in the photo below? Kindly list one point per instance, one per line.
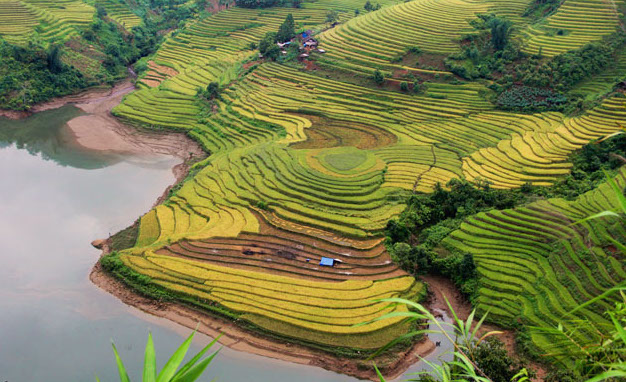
(157, 74)
(250, 64)
(277, 251)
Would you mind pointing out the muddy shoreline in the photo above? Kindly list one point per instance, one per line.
(87, 95)
(99, 130)
(247, 341)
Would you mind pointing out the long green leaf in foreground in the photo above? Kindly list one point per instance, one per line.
(190, 372)
(120, 366)
(149, 365)
(169, 370)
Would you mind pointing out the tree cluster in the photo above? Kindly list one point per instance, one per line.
(369, 7)
(541, 8)
(34, 74)
(286, 31)
(414, 238)
(525, 82)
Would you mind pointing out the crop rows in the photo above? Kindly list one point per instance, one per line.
(372, 41)
(576, 23)
(535, 265)
(303, 167)
(120, 12)
(541, 154)
(328, 311)
(16, 21)
(20, 19)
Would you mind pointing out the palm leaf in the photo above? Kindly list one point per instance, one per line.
(169, 370)
(149, 365)
(197, 357)
(195, 371)
(120, 366)
(597, 216)
(607, 375)
(618, 191)
(379, 374)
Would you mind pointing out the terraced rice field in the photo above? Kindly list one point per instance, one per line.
(51, 20)
(604, 82)
(304, 167)
(120, 12)
(435, 26)
(16, 21)
(535, 265)
(576, 23)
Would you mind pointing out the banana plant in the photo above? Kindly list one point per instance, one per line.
(190, 372)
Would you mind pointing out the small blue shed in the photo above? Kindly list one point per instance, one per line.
(327, 262)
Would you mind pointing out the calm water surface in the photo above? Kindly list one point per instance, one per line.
(54, 324)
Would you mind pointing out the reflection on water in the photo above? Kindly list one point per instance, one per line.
(55, 326)
(442, 353)
(46, 135)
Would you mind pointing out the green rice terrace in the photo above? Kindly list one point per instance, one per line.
(314, 147)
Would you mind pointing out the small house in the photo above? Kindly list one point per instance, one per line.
(311, 42)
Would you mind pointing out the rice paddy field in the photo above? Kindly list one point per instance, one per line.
(303, 165)
(21, 20)
(536, 266)
(574, 24)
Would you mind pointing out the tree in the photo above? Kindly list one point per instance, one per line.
(368, 6)
(212, 91)
(287, 29)
(357, 12)
(100, 11)
(500, 32)
(55, 65)
(332, 16)
(404, 86)
(266, 42)
(268, 47)
(378, 77)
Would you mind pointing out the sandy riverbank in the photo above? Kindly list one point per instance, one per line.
(99, 130)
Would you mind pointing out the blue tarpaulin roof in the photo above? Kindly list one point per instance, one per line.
(327, 262)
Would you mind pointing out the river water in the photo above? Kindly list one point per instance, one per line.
(55, 325)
